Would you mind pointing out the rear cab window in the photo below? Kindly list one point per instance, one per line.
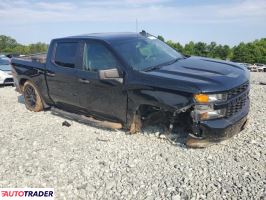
(66, 54)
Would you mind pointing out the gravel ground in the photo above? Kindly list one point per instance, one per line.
(83, 162)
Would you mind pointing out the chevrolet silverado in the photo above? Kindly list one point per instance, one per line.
(125, 79)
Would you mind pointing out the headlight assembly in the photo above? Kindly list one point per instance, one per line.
(204, 110)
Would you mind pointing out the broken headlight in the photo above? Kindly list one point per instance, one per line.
(206, 112)
(204, 108)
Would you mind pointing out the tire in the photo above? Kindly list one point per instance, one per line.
(32, 97)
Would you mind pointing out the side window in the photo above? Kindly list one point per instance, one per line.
(65, 54)
(97, 57)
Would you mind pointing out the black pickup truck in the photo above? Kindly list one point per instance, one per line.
(127, 79)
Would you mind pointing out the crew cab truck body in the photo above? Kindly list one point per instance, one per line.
(131, 78)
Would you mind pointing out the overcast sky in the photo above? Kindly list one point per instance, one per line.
(226, 22)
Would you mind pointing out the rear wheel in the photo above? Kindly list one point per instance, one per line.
(32, 97)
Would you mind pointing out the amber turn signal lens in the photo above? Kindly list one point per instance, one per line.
(201, 98)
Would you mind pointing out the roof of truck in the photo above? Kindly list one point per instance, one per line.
(106, 36)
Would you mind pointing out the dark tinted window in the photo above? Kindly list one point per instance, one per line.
(98, 57)
(65, 54)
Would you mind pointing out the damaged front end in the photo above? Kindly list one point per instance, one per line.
(203, 110)
(169, 119)
(217, 117)
(205, 118)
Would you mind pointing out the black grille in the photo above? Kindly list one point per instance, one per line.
(241, 101)
(9, 80)
(233, 109)
(235, 91)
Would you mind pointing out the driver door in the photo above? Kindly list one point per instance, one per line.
(104, 98)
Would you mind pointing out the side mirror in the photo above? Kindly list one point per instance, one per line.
(110, 74)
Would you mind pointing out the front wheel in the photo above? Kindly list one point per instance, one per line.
(32, 97)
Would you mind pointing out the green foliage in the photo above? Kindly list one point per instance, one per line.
(10, 45)
(160, 38)
(177, 46)
(7, 42)
(189, 49)
(252, 52)
(38, 47)
(222, 52)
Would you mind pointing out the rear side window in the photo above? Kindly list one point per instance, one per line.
(65, 54)
(97, 57)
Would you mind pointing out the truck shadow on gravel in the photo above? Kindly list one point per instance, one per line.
(7, 85)
(177, 137)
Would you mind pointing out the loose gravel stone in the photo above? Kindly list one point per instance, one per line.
(84, 162)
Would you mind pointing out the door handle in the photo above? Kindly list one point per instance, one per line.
(83, 80)
(50, 74)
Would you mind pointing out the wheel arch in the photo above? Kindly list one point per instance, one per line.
(166, 101)
(22, 82)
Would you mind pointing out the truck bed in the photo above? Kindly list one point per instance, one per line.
(36, 61)
(31, 68)
(39, 57)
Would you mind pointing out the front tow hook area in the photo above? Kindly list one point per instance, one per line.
(195, 142)
(199, 142)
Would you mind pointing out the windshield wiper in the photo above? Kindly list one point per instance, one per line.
(161, 65)
(152, 68)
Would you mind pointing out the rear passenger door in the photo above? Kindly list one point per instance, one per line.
(105, 98)
(62, 80)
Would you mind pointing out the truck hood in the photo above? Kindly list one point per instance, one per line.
(203, 74)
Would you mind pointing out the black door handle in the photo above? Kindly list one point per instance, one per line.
(83, 80)
(50, 74)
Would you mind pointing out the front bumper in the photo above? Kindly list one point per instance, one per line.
(214, 131)
(220, 129)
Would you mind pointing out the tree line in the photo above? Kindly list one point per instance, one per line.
(9, 45)
(251, 52)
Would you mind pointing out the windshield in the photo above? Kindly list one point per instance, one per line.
(145, 52)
